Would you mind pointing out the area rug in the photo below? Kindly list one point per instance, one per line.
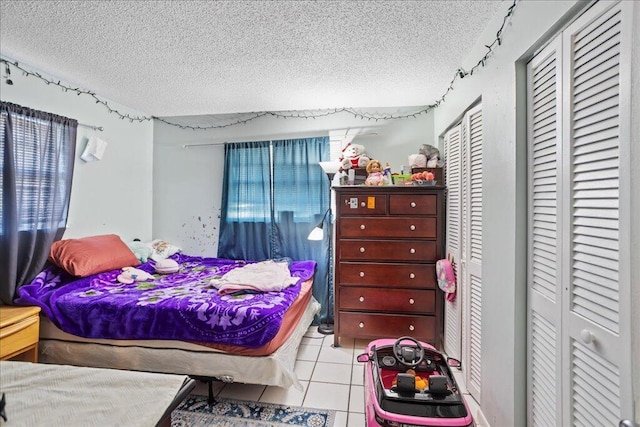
(195, 411)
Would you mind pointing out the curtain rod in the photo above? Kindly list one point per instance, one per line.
(207, 144)
(98, 128)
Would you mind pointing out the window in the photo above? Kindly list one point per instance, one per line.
(273, 180)
(40, 174)
(38, 150)
(274, 194)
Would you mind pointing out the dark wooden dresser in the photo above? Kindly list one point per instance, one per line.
(388, 240)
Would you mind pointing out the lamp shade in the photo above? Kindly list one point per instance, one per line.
(330, 167)
(316, 234)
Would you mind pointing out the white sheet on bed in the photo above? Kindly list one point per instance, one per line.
(58, 395)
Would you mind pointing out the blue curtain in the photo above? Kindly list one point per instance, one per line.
(274, 194)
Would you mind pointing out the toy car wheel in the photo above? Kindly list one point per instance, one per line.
(408, 355)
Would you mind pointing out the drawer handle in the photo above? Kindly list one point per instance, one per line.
(362, 274)
(412, 228)
(412, 276)
(361, 250)
(413, 204)
(361, 325)
(362, 227)
(411, 328)
(412, 250)
(411, 301)
(361, 299)
(363, 204)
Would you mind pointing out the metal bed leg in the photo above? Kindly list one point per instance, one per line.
(210, 400)
(209, 380)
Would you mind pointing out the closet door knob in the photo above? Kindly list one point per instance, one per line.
(587, 336)
(412, 276)
(361, 325)
(361, 299)
(362, 250)
(411, 327)
(363, 204)
(362, 274)
(362, 227)
(413, 251)
(412, 228)
(413, 204)
(411, 301)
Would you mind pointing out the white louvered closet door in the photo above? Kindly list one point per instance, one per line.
(452, 309)
(597, 361)
(470, 276)
(544, 245)
(591, 278)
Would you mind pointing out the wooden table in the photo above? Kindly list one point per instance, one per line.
(19, 332)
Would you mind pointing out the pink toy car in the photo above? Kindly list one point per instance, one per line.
(408, 383)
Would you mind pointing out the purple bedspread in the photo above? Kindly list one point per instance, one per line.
(180, 306)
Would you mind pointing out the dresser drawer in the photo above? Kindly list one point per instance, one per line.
(19, 336)
(370, 325)
(363, 204)
(387, 300)
(413, 204)
(388, 275)
(390, 250)
(388, 227)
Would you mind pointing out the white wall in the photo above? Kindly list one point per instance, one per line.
(109, 196)
(188, 181)
(504, 197)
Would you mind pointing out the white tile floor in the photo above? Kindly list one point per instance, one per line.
(331, 379)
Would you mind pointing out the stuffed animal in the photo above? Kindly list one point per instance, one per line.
(167, 266)
(131, 274)
(431, 153)
(420, 383)
(354, 156)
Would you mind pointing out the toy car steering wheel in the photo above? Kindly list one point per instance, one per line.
(406, 354)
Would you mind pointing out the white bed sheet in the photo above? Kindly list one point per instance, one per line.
(178, 357)
(56, 395)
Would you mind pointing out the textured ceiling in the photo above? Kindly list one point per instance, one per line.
(174, 58)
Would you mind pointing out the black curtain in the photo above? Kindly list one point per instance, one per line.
(38, 151)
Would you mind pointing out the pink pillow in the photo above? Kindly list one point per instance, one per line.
(92, 255)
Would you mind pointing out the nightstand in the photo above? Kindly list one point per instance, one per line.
(19, 331)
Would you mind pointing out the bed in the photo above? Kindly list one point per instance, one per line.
(55, 395)
(180, 323)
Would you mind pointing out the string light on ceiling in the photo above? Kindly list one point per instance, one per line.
(306, 114)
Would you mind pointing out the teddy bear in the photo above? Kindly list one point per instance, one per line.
(131, 274)
(354, 156)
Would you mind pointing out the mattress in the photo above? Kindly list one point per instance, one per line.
(272, 364)
(186, 306)
(48, 331)
(56, 395)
